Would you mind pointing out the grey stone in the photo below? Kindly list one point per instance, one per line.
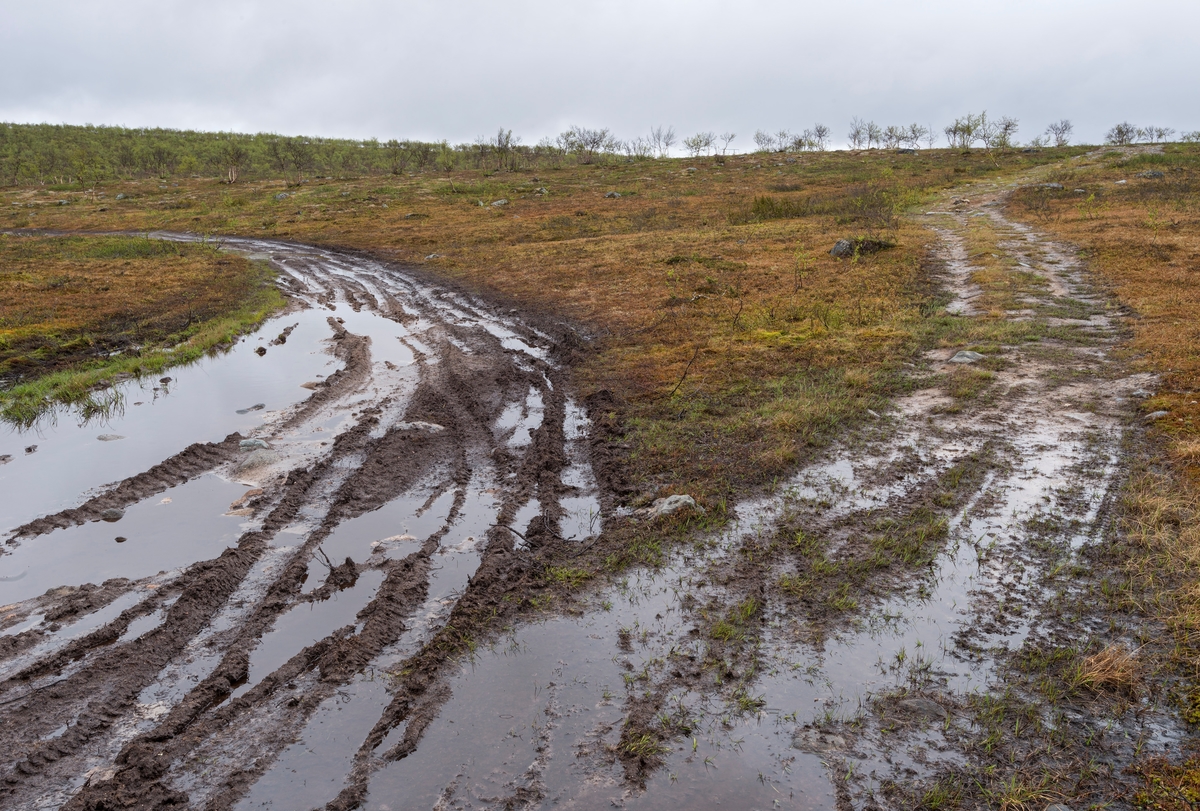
(613, 194)
(1143, 393)
(434, 256)
(5, 458)
(1153, 174)
(906, 150)
(258, 458)
(282, 196)
(842, 248)
(1121, 182)
(121, 196)
(966, 356)
(164, 380)
(30, 449)
(541, 190)
(109, 437)
(1157, 415)
(252, 444)
(417, 425)
(112, 515)
(814, 741)
(255, 407)
(668, 506)
(1081, 191)
(1050, 186)
(690, 169)
(503, 201)
(924, 708)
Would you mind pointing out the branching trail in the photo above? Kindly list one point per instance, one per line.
(855, 639)
(860, 637)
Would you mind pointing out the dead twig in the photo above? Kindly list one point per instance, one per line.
(686, 369)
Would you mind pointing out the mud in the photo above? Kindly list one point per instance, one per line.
(408, 614)
(210, 669)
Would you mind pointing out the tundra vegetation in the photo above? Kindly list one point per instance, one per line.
(729, 343)
(77, 313)
(735, 344)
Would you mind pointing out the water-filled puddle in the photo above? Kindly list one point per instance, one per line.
(400, 527)
(168, 530)
(309, 622)
(200, 404)
(536, 709)
(75, 630)
(311, 772)
(581, 518)
(145, 624)
(529, 511)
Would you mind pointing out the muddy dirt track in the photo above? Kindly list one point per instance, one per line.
(259, 620)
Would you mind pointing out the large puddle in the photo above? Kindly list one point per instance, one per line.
(173, 529)
(200, 404)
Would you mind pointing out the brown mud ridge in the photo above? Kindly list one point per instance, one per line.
(904, 624)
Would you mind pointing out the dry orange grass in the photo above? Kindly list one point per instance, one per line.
(66, 299)
(1114, 669)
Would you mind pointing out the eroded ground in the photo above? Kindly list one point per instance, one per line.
(397, 606)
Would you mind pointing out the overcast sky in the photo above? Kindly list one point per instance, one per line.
(459, 69)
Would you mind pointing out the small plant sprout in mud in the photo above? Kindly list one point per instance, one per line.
(644, 746)
(1020, 793)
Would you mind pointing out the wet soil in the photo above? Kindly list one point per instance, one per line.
(375, 505)
(408, 613)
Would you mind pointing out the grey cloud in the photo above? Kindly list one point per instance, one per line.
(458, 70)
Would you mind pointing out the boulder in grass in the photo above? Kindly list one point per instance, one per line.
(847, 248)
(669, 506)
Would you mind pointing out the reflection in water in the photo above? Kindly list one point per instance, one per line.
(199, 405)
(168, 530)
